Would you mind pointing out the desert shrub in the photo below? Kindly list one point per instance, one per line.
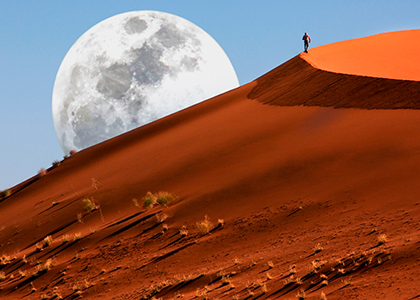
(161, 198)
(77, 236)
(65, 238)
(95, 183)
(5, 260)
(301, 295)
(318, 248)
(89, 205)
(135, 202)
(184, 231)
(161, 217)
(205, 226)
(264, 289)
(165, 198)
(56, 163)
(48, 265)
(42, 172)
(2, 276)
(4, 194)
(47, 241)
(72, 152)
(149, 200)
(382, 239)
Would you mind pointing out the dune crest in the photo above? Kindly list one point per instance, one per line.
(392, 55)
(349, 74)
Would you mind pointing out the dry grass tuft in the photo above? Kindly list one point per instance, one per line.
(264, 289)
(184, 231)
(161, 217)
(318, 248)
(89, 205)
(47, 241)
(56, 163)
(48, 264)
(4, 194)
(77, 236)
(135, 202)
(42, 172)
(165, 198)
(160, 198)
(5, 260)
(205, 226)
(301, 295)
(382, 239)
(65, 238)
(149, 200)
(346, 282)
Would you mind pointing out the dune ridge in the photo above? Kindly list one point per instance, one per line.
(304, 198)
(297, 82)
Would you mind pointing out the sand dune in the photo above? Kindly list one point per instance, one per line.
(307, 167)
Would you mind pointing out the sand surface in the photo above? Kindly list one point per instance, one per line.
(386, 55)
(306, 194)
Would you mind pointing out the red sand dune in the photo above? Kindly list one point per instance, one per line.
(305, 191)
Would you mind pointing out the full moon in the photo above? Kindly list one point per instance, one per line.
(132, 69)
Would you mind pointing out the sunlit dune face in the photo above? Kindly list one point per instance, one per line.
(391, 55)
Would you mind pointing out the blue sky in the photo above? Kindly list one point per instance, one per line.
(256, 35)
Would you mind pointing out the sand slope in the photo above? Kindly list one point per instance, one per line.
(304, 193)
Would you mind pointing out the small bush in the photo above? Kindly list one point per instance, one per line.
(2, 276)
(77, 236)
(161, 198)
(165, 198)
(135, 202)
(4, 194)
(22, 273)
(95, 183)
(301, 295)
(42, 172)
(48, 264)
(47, 241)
(205, 226)
(89, 205)
(149, 200)
(318, 248)
(56, 163)
(65, 238)
(382, 239)
(264, 289)
(72, 152)
(161, 217)
(184, 231)
(5, 260)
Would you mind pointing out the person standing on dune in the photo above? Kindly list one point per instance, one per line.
(306, 40)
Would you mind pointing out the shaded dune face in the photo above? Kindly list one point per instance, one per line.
(377, 72)
(296, 82)
(311, 193)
